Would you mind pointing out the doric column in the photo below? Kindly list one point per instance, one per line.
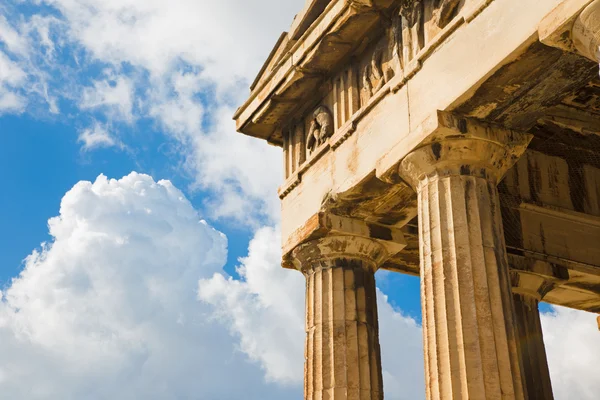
(528, 291)
(343, 359)
(469, 326)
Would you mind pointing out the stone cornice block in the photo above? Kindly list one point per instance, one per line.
(331, 36)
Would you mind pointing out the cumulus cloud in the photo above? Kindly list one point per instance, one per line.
(265, 311)
(108, 308)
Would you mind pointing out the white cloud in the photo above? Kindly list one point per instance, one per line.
(113, 94)
(266, 312)
(187, 64)
(573, 349)
(10, 73)
(243, 171)
(13, 40)
(176, 105)
(401, 353)
(26, 62)
(198, 58)
(11, 102)
(227, 38)
(96, 137)
(11, 78)
(108, 309)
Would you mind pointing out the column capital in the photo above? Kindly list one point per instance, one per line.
(586, 32)
(464, 146)
(339, 250)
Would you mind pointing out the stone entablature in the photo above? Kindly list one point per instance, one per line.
(377, 67)
(300, 65)
(408, 99)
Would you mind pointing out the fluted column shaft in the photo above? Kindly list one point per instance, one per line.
(343, 357)
(468, 319)
(342, 338)
(536, 374)
(469, 326)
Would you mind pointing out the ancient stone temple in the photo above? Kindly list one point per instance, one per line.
(456, 140)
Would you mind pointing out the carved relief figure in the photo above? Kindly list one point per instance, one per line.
(373, 78)
(367, 88)
(444, 12)
(412, 28)
(321, 127)
(377, 78)
(395, 44)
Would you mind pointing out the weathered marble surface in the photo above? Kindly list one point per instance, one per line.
(342, 352)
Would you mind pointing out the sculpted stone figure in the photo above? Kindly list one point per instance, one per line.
(445, 11)
(373, 78)
(395, 43)
(412, 28)
(320, 129)
(367, 88)
(377, 77)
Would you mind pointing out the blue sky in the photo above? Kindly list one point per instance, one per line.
(132, 296)
(28, 136)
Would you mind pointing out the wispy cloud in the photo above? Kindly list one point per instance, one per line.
(97, 136)
(184, 64)
(112, 95)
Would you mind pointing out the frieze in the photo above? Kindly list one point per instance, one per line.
(381, 66)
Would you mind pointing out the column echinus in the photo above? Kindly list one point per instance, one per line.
(469, 327)
(343, 359)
